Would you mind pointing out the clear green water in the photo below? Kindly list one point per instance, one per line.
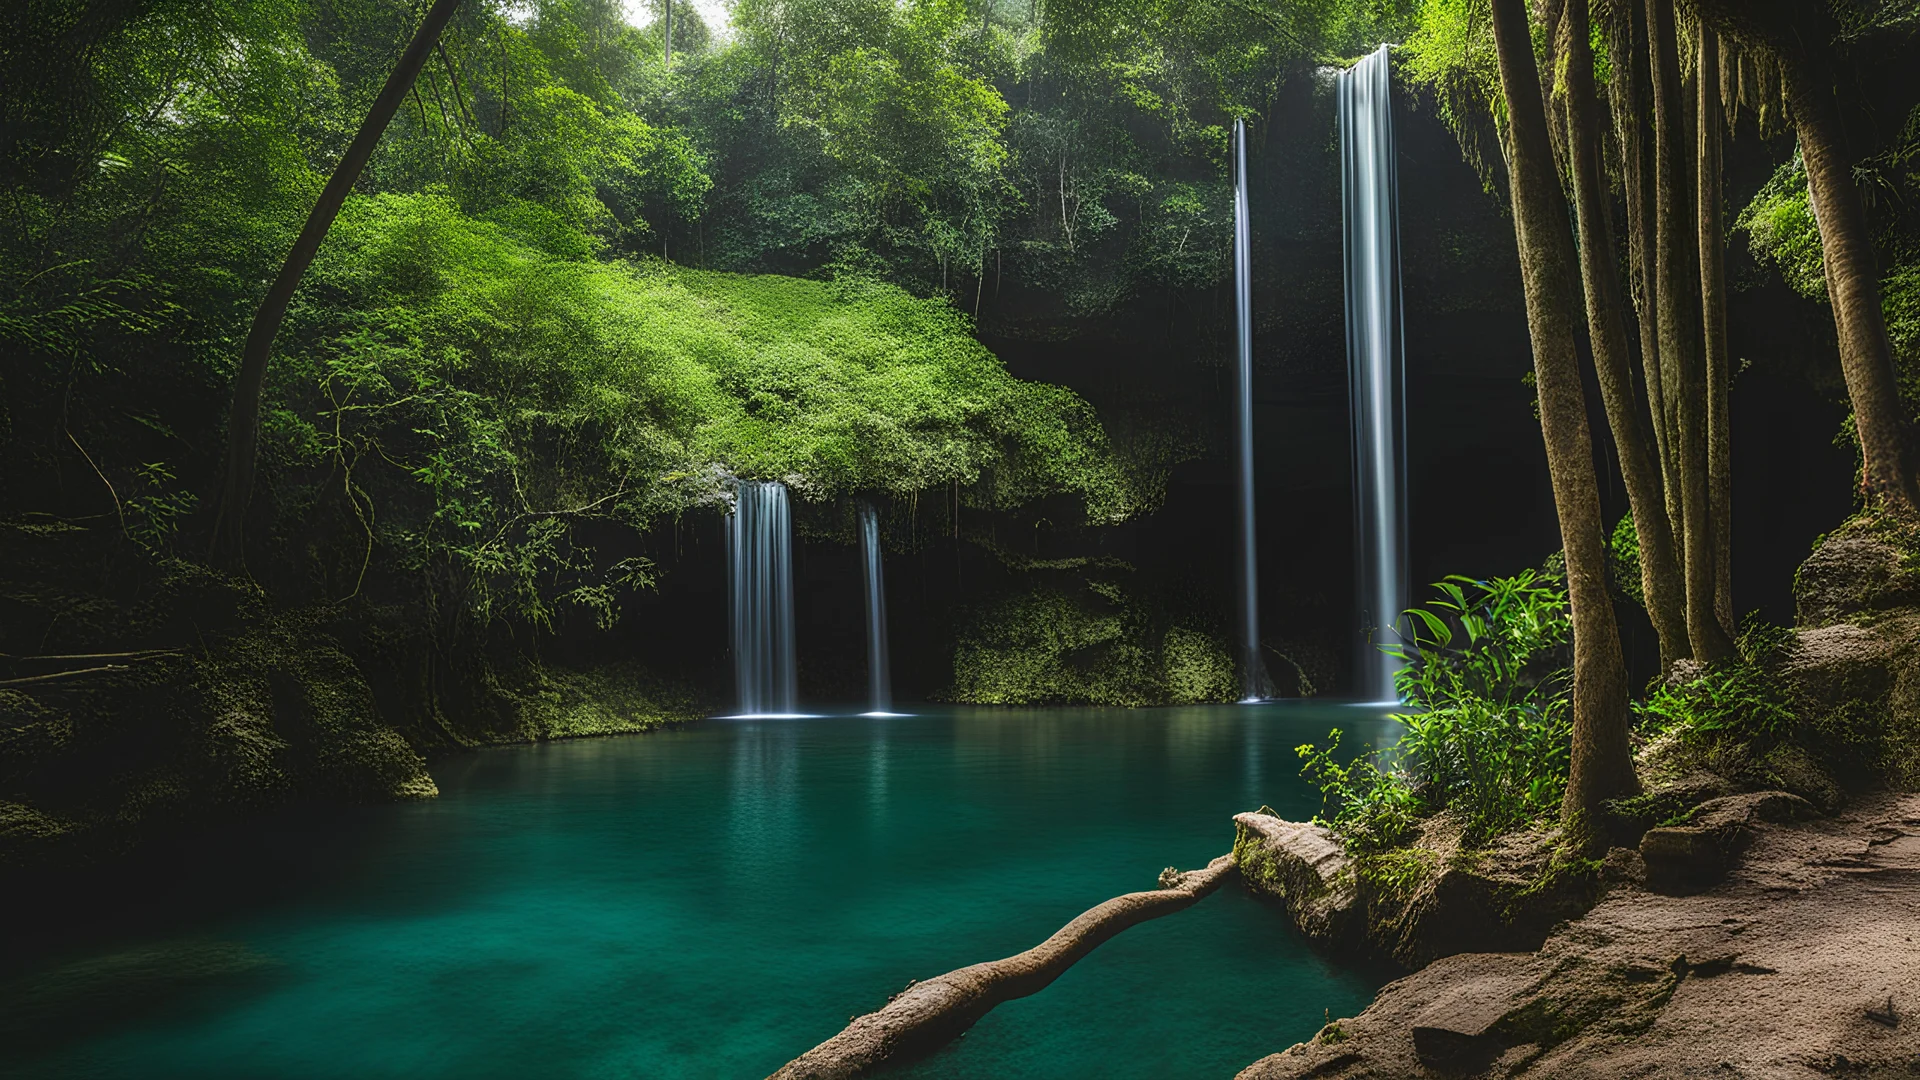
(707, 903)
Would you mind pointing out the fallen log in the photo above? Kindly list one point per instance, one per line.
(927, 1015)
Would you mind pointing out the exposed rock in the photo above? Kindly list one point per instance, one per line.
(1458, 1029)
(1698, 852)
(1770, 974)
(1843, 662)
(1303, 866)
(1858, 569)
(1435, 899)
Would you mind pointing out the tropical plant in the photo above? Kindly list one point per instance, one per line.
(1490, 739)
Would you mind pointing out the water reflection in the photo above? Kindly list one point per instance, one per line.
(763, 794)
(557, 912)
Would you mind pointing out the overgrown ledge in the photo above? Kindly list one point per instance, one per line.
(1759, 914)
(1805, 960)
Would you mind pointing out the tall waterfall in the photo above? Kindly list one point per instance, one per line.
(1254, 683)
(760, 594)
(879, 677)
(1376, 366)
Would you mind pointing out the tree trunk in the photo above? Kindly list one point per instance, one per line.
(1660, 581)
(1632, 112)
(243, 416)
(1713, 323)
(1602, 760)
(1676, 281)
(1853, 285)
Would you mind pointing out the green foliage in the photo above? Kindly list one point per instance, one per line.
(1451, 54)
(1374, 806)
(1781, 231)
(1495, 641)
(1491, 740)
(1623, 560)
(1084, 635)
(1739, 700)
(488, 397)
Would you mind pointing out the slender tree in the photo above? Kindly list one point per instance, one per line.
(1800, 37)
(1709, 131)
(1660, 580)
(243, 416)
(1602, 765)
(1853, 285)
(1677, 306)
(1632, 100)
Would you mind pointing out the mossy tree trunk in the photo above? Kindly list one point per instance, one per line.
(1801, 38)
(1660, 580)
(1602, 766)
(1853, 285)
(1632, 101)
(243, 415)
(1683, 374)
(1709, 131)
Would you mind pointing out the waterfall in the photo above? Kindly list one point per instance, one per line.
(1376, 367)
(879, 679)
(760, 594)
(1254, 684)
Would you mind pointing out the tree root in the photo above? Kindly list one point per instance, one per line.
(929, 1014)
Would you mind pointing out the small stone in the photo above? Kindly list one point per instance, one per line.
(1884, 1017)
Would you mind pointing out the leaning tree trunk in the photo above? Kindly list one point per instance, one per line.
(243, 416)
(1676, 285)
(1660, 581)
(1602, 760)
(1709, 125)
(1853, 285)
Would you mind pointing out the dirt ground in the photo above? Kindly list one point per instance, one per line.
(1803, 962)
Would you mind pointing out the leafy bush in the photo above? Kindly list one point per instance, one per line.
(1737, 700)
(1374, 807)
(487, 395)
(1780, 230)
(1491, 741)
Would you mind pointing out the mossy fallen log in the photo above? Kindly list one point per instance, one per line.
(926, 1015)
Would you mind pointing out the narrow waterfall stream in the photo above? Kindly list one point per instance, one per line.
(1376, 367)
(760, 595)
(879, 671)
(1254, 683)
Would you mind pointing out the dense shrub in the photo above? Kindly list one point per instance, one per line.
(1489, 736)
(489, 396)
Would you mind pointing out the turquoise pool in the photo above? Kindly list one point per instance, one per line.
(704, 903)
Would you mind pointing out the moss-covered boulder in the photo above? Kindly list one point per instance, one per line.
(1412, 905)
(1853, 663)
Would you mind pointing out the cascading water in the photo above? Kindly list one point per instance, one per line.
(1254, 683)
(1376, 366)
(879, 678)
(760, 593)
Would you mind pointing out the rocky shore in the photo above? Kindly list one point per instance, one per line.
(1803, 962)
(1759, 915)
